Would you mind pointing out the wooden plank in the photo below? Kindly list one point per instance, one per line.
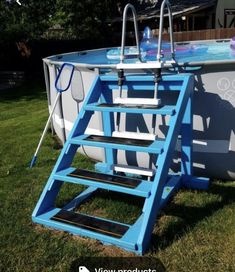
(207, 34)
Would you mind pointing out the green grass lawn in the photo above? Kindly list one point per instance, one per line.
(195, 232)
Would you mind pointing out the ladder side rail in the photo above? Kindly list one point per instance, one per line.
(186, 143)
(152, 204)
(49, 194)
(134, 14)
(108, 126)
(164, 4)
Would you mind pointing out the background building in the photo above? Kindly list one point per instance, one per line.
(225, 14)
(189, 15)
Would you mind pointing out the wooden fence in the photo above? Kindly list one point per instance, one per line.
(208, 34)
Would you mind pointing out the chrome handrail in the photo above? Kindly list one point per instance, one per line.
(166, 3)
(127, 7)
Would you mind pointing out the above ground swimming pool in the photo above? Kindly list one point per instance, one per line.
(214, 100)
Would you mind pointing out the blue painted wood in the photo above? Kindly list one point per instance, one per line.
(186, 142)
(148, 88)
(165, 110)
(152, 204)
(132, 234)
(108, 127)
(173, 184)
(142, 190)
(50, 192)
(158, 192)
(143, 78)
(80, 198)
(103, 167)
(197, 183)
(45, 220)
(155, 148)
(47, 199)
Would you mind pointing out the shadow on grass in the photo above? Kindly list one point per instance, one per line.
(32, 88)
(118, 199)
(191, 216)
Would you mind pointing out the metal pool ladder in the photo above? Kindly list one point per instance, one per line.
(122, 55)
(164, 4)
(154, 66)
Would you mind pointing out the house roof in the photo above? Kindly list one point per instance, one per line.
(179, 8)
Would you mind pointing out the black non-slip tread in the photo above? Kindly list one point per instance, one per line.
(97, 225)
(134, 106)
(105, 178)
(119, 140)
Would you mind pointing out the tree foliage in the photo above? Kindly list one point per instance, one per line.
(83, 19)
(78, 19)
(26, 21)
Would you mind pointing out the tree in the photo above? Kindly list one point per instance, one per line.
(20, 24)
(79, 19)
(82, 19)
(26, 21)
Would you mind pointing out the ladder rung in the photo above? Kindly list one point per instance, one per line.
(134, 170)
(138, 101)
(137, 106)
(94, 224)
(145, 65)
(134, 135)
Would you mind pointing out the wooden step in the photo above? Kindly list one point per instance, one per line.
(132, 108)
(119, 140)
(94, 224)
(115, 183)
(104, 178)
(147, 146)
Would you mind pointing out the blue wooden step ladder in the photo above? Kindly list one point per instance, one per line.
(156, 190)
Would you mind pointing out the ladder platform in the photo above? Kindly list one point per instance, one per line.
(116, 183)
(120, 143)
(132, 108)
(105, 178)
(98, 225)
